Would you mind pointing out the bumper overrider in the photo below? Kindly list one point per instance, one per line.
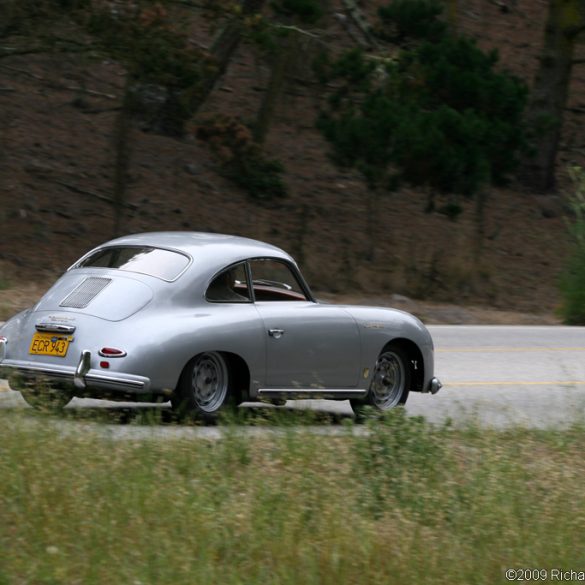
(21, 373)
(434, 385)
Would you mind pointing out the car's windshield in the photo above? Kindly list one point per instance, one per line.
(164, 264)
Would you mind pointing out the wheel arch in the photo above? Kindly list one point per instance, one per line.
(241, 374)
(238, 369)
(415, 359)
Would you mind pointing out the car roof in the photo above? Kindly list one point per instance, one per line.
(211, 253)
(215, 249)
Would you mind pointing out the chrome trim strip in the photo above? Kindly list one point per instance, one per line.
(119, 381)
(25, 367)
(54, 328)
(343, 393)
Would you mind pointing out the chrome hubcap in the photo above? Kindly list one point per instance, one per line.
(209, 381)
(388, 381)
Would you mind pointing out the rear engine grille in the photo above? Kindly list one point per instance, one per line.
(85, 292)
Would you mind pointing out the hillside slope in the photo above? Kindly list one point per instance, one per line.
(56, 169)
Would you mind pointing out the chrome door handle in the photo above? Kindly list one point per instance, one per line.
(276, 333)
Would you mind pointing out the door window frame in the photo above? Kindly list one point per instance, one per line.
(295, 272)
(250, 288)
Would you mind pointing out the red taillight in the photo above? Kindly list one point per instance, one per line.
(111, 352)
(105, 365)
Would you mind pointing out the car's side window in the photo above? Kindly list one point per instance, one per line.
(230, 286)
(273, 280)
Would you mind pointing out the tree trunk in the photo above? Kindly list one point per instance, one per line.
(452, 15)
(480, 204)
(372, 219)
(566, 18)
(222, 50)
(122, 131)
(274, 89)
(361, 22)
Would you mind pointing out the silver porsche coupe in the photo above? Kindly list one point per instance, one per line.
(207, 321)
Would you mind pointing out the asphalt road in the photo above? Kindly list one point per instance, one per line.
(500, 375)
(494, 375)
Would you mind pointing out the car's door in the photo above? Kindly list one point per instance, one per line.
(308, 345)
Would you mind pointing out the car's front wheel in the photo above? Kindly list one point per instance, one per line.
(390, 383)
(205, 387)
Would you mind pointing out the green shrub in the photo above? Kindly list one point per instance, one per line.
(418, 19)
(307, 11)
(438, 114)
(241, 159)
(573, 278)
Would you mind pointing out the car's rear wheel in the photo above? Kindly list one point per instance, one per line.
(205, 387)
(390, 383)
(46, 397)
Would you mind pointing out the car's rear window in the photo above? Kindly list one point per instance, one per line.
(164, 264)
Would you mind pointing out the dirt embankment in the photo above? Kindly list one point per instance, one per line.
(57, 115)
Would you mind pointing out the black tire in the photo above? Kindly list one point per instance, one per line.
(390, 383)
(47, 398)
(205, 388)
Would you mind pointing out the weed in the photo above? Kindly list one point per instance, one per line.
(398, 501)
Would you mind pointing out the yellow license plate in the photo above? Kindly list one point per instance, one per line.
(49, 344)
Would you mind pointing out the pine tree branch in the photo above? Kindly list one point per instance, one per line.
(295, 29)
(22, 72)
(359, 19)
(95, 195)
(575, 31)
(15, 52)
(58, 86)
(188, 4)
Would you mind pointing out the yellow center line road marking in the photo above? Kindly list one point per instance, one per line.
(505, 349)
(516, 383)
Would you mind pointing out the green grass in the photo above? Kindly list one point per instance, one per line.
(404, 502)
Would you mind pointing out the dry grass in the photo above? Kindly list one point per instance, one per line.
(404, 503)
(14, 297)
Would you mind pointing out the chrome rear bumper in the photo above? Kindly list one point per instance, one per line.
(21, 373)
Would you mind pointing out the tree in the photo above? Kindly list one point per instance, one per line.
(286, 44)
(223, 48)
(439, 115)
(572, 281)
(436, 114)
(565, 21)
